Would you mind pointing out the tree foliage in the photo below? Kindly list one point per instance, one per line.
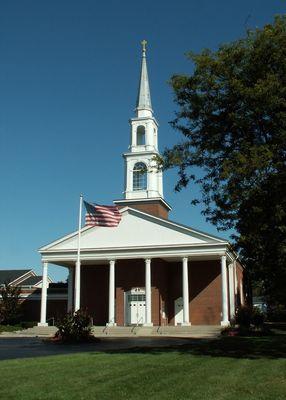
(9, 304)
(232, 114)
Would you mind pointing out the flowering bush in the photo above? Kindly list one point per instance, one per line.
(74, 327)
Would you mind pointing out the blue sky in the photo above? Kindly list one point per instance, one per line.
(69, 74)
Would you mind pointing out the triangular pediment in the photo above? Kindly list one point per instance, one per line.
(136, 229)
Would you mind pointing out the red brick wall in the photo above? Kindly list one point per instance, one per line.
(31, 309)
(205, 292)
(204, 289)
(155, 208)
(94, 292)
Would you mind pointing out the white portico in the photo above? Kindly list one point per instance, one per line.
(141, 237)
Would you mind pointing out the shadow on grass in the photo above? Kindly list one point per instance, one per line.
(266, 347)
(270, 347)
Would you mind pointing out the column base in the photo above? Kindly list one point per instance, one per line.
(148, 324)
(111, 324)
(186, 324)
(225, 323)
(42, 324)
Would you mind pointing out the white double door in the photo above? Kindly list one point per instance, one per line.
(135, 305)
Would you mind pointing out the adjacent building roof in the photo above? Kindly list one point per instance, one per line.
(32, 281)
(11, 275)
(20, 277)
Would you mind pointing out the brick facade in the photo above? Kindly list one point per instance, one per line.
(155, 207)
(166, 277)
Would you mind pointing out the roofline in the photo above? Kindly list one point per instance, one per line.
(15, 280)
(189, 228)
(61, 239)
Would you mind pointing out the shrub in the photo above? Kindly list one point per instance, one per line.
(74, 327)
(28, 324)
(9, 306)
(257, 318)
(249, 316)
(243, 317)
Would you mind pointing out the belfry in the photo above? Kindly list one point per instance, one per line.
(147, 270)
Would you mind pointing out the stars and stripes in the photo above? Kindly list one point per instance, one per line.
(101, 215)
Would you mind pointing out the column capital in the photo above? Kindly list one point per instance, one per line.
(111, 261)
(184, 259)
(148, 260)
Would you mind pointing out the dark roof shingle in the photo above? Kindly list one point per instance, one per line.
(31, 281)
(10, 275)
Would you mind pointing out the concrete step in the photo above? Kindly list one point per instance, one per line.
(183, 331)
(188, 331)
(113, 331)
(41, 331)
(194, 331)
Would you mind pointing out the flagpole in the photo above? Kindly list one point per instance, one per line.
(77, 267)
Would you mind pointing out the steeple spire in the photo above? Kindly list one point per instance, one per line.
(143, 105)
(143, 180)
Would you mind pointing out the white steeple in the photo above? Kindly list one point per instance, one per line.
(143, 105)
(142, 179)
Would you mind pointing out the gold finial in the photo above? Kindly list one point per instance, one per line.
(144, 42)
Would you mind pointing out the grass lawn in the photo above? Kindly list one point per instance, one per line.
(227, 368)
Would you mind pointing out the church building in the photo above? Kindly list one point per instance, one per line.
(148, 270)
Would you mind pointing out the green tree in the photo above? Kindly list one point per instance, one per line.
(232, 114)
(9, 304)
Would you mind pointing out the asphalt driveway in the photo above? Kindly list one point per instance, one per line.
(24, 347)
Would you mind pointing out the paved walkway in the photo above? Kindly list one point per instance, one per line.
(12, 348)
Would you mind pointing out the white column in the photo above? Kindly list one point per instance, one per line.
(148, 306)
(241, 293)
(111, 314)
(43, 320)
(224, 292)
(70, 289)
(186, 318)
(77, 287)
(231, 290)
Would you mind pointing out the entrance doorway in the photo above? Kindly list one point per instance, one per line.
(135, 304)
(179, 315)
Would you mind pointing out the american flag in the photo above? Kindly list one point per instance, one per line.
(101, 215)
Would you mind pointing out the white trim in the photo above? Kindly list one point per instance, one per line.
(147, 247)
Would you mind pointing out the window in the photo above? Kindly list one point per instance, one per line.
(139, 176)
(140, 139)
(136, 297)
